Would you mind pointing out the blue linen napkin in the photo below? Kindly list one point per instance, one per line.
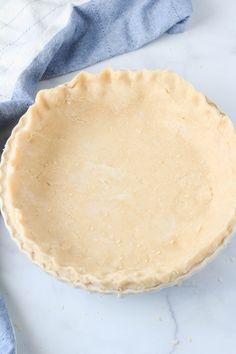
(7, 338)
(96, 30)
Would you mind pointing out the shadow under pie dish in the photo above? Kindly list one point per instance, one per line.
(120, 181)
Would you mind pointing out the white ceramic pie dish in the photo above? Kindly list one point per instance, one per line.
(88, 281)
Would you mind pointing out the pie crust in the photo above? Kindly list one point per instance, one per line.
(120, 181)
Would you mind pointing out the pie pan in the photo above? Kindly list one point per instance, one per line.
(120, 181)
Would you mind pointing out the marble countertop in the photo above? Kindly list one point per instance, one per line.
(50, 317)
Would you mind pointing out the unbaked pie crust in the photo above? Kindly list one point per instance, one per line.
(120, 181)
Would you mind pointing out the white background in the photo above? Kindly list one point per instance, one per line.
(50, 317)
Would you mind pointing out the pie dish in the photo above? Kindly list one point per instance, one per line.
(120, 181)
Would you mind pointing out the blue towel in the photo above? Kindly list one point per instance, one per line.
(7, 339)
(96, 30)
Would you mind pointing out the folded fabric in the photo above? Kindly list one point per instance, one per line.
(7, 339)
(43, 39)
(47, 39)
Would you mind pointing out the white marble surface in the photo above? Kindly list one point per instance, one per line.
(50, 317)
